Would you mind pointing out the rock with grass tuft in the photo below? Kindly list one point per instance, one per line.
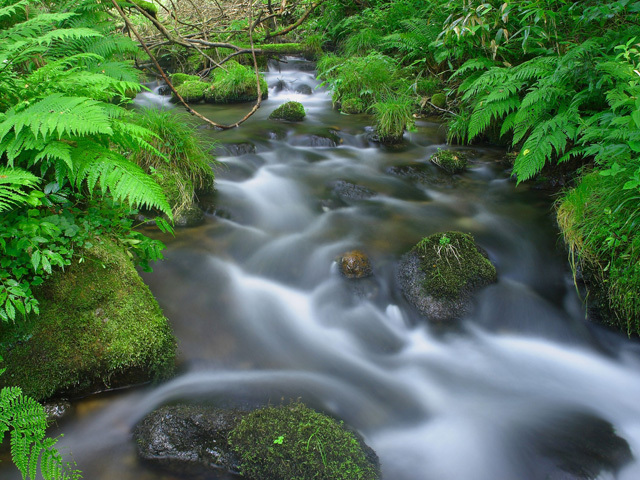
(442, 272)
(192, 90)
(450, 161)
(290, 112)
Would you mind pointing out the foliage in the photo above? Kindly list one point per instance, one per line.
(193, 91)
(179, 78)
(289, 111)
(31, 451)
(293, 442)
(180, 157)
(352, 106)
(452, 263)
(64, 138)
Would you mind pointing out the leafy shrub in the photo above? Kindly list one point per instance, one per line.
(294, 442)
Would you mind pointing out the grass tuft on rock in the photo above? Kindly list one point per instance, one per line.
(192, 90)
(453, 263)
(290, 111)
(450, 161)
(179, 78)
(293, 442)
(99, 327)
(235, 83)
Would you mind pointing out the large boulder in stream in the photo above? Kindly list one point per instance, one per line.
(442, 272)
(270, 443)
(289, 111)
(99, 328)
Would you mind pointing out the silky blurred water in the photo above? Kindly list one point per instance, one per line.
(262, 315)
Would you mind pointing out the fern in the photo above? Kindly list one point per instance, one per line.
(12, 181)
(26, 422)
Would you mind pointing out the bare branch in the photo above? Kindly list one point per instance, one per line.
(299, 22)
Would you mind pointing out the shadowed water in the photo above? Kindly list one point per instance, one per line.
(518, 389)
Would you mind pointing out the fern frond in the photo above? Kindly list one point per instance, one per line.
(12, 180)
(485, 113)
(10, 10)
(127, 182)
(57, 115)
(475, 64)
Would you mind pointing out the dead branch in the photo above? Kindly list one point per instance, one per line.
(299, 22)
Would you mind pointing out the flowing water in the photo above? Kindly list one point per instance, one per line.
(518, 389)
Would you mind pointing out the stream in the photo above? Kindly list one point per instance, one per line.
(520, 388)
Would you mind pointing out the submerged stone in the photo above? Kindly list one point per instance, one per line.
(355, 264)
(285, 442)
(442, 272)
(303, 89)
(350, 191)
(290, 112)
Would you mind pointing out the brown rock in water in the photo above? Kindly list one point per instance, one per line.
(355, 264)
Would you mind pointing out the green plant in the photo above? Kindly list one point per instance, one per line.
(308, 445)
(449, 160)
(392, 118)
(31, 451)
(180, 160)
(235, 83)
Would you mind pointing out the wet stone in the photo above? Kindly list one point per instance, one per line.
(355, 264)
(350, 191)
(303, 89)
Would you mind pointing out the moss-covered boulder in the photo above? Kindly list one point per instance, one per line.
(291, 442)
(442, 272)
(439, 100)
(290, 112)
(450, 161)
(192, 91)
(352, 106)
(179, 78)
(99, 327)
(355, 264)
(235, 83)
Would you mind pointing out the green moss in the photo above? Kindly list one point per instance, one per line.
(148, 7)
(192, 90)
(179, 78)
(439, 100)
(99, 326)
(352, 106)
(450, 161)
(235, 83)
(294, 442)
(281, 48)
(453, 263)
(290, 111)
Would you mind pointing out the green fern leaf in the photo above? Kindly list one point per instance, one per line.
(12, 180)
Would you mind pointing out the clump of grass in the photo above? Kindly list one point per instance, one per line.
(233, 83)
(392, 117)
(289, 111)
(362, 42)
(179, 78)
(450, 161)
(181, 160)
(599, 220)
(293, 442)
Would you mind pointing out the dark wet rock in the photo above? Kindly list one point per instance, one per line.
(196, 439)
(188, 438)
(303, 89)
(328, 140)
(350, 191)
(575, 446)
(235, 149)
(355, 264)
(191, 216)
(442, 272)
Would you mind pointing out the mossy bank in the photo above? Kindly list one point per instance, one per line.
(99, 327)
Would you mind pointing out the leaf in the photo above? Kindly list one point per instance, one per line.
(35, 260)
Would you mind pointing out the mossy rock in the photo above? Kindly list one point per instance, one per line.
(290, 111)
(439, 100)
(192, 90)
(235, 83)
(442, 272)
(352, 106)
(450, 161)
(293, 442)
(99, 327)
(179, 78)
